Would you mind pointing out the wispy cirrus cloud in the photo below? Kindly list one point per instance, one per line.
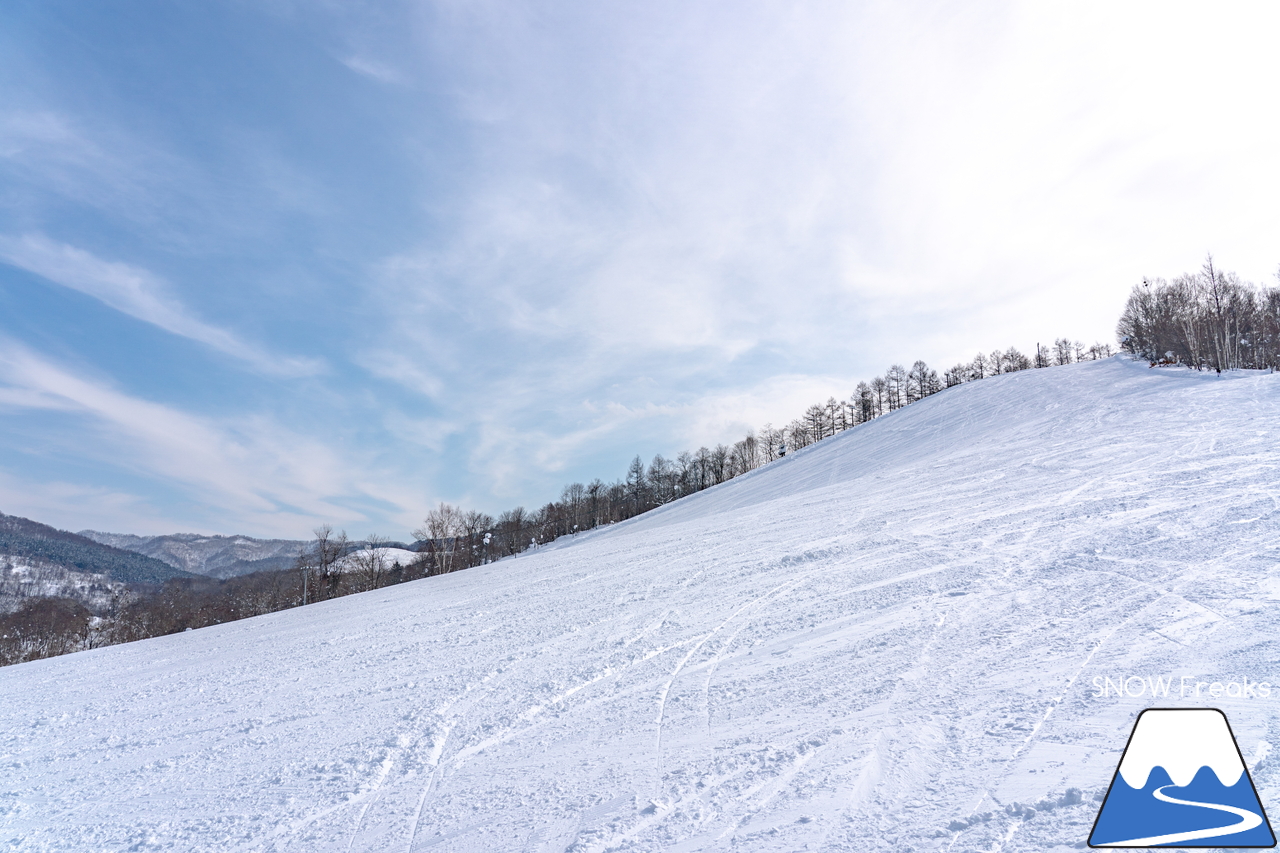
(369, 67)
(670, 204)
(142, 295)
(26, 133)
(253, 469)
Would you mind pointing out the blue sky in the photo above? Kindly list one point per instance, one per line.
(265, 265)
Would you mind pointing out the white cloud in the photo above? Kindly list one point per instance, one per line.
(141, 295)
(666, 198)
(26, 133)
(369, 67)
(718, 177)
(259, 475)
(50, 154)
(76, 506)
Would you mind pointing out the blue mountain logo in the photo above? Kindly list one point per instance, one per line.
(1182, 783)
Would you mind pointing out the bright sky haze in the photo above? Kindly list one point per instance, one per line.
(269, 265)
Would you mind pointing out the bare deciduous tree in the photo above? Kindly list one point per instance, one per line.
(370, 567)
(321, 564)
(1208, 320)
(439, 534)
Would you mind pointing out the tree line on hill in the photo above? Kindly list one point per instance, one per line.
(24, 577)
(1205, 320)
(451, 538)
(454, 538)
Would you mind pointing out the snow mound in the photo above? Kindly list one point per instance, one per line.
(894, 640)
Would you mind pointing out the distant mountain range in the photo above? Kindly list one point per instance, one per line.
(92, 566)
(30, 541)
(127, 558)
(213, 556)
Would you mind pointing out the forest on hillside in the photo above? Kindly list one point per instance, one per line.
(31, 541)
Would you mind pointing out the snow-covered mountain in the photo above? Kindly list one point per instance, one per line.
(924, 634)
(216, 556)
(35, 545)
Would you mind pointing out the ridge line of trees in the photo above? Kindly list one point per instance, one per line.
(452, 538)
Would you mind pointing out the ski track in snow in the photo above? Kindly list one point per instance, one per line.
(886, 641)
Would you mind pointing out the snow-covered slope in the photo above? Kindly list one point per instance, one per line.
(888, 641)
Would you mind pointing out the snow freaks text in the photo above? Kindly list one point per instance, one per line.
(1181, 687)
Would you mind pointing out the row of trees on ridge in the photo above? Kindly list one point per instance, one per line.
(452, 538)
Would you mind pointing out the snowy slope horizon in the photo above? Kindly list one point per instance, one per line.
(888, 640)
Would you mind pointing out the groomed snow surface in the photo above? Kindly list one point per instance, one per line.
(885, 642)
